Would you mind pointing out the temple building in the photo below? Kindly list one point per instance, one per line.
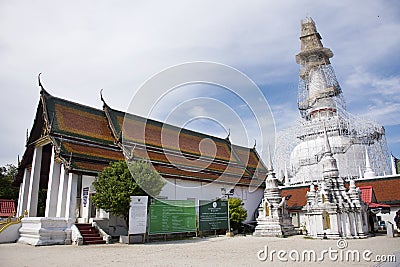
(299, 149)
(70, 143)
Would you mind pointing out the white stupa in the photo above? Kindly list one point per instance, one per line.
(299, 150)
(332, 211)
(273, 215)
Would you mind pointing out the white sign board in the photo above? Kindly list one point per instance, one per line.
(138, 215)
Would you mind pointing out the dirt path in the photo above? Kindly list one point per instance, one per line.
(216, 251)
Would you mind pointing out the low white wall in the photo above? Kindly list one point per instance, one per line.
(10, 234)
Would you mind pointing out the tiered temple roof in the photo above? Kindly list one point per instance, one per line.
(86, 140)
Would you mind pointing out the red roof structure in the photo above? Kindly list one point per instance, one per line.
(368, 196)
(7, 207)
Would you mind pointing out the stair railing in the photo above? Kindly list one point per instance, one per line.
(8, 222)
(105, 236)
(77, 238)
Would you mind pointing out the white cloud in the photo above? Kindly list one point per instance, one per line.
(374, 96)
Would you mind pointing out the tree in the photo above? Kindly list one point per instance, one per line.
(115, 185)
(7, 190)
(146, 177)
(237, 213)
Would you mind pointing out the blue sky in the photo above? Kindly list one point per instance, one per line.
(84, 46)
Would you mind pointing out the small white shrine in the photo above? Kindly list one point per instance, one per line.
(331, 210)
(273, 216)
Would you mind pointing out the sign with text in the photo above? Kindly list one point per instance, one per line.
(172, 216)
(213, 215)
(138, 215)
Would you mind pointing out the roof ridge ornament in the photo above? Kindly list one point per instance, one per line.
(40, 83)
(42, 90)
(229, 134)
(102, 98)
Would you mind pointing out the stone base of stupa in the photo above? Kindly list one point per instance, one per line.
(273, 227)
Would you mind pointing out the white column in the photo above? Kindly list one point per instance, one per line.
(347, 221)
(52, 188)
(22, 201)
(360, 229)
(319, 224)
(62, 193)
(353, 226)
(21, 189)
(34, 182)
(71, 196)
(333, 217)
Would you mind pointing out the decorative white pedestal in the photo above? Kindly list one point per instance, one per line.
(43, 231)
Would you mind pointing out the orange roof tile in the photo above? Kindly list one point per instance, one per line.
(90, 151)
(195, 163)
(298, 196)
(149, 132)
(72, 119)
(386, 190)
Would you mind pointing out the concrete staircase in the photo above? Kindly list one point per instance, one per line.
(90, 234)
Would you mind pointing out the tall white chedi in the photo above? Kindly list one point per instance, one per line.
(273, 215)
(332, 211)
(321, 104)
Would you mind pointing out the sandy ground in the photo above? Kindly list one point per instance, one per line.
(213, 251)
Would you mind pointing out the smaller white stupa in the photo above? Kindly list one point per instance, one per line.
(369, 173)
(332, 211)
(273, 215)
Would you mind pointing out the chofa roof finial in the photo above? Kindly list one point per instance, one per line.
(229, 134)
(42, 90)
(40, 83)
(101, 95)
(102, 98)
